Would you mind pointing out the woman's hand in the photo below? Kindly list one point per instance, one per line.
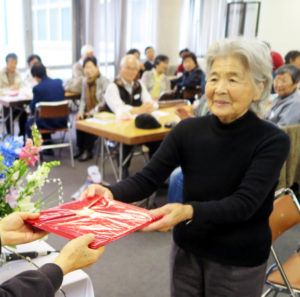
(96, 190)
(14, 230)
(77, 255)
(172, 214)
(79, 116)
(183, 113)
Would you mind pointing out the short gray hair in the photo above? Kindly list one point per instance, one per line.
(127, 57)
(86, 49)
(293, 70)
(256, 57)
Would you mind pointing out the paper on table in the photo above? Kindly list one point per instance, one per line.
(107, 219)
(97, 121)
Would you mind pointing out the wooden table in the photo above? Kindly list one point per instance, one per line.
(125, 132)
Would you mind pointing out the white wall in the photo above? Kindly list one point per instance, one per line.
(280, 24)
(168, 22)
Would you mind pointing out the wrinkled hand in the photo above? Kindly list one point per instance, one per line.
(183, 113)
(77, 255)
(14, 230)
(96, 190)
(173, 213)
(79, 116)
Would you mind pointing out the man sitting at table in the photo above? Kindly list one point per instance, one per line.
(10, 79)
(47, 90)
(127, 97)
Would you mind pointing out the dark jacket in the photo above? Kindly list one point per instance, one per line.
(48, 90)
(190, 79)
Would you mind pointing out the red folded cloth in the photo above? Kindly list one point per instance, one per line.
(107, 219)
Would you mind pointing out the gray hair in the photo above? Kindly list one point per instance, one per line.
(293, 70)
(86, 49)
(128, 57)
(256, 57)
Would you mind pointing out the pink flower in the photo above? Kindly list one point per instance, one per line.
(30, 152)
(11, 197)
(32, 159)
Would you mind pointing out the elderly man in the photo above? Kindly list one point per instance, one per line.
(75, 83)
(11, 79)
(285, 108)
(127, 97)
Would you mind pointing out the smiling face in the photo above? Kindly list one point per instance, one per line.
(90, 69)
(188, 64)
(283, 84)
(11, 65)
(229, 89)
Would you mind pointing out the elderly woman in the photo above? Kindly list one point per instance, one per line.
(92, 100)
(191, 78)
(231, 161)
(155, 80)
(285, 108)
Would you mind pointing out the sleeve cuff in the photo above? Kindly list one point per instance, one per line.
(54, 273)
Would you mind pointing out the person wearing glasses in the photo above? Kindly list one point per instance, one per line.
(285, 109)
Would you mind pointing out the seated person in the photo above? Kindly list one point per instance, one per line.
(191, 78)
(92, 98)
(285, 108)
(75, 83)
(292, 57)
(155, 80)
(11, 79)
(150, 55)
(46, 280)
(180, 68)
(47, 89)
(127, 97)
(29, 81)
(137, 54)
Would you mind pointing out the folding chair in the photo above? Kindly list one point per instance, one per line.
(55, 109)
(284, 278)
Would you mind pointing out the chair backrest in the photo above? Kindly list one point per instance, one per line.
(285, 215)
(53, 109)
(171, 103)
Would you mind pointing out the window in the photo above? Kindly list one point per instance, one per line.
(11, 36)
(140, 24)
(52, 31)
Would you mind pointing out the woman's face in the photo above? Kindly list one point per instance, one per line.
(283, 84)
(229, 89)
(162, 67)
(90, 69)
(188, 64)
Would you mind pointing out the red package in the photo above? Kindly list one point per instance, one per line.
(107, 219)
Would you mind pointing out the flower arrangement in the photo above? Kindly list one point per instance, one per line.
(18, 183)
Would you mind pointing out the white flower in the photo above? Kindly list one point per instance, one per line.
(15, 176)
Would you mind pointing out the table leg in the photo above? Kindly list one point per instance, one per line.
(120, 160)
(3, 122)
(102, 139)
(11, 121)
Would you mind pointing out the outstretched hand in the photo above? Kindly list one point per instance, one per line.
(14, 229)
(96, 190)
(76, 254)
(172, 214)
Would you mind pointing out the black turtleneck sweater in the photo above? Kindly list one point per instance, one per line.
(230, 174)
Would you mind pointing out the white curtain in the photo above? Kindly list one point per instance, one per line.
(202, 23)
